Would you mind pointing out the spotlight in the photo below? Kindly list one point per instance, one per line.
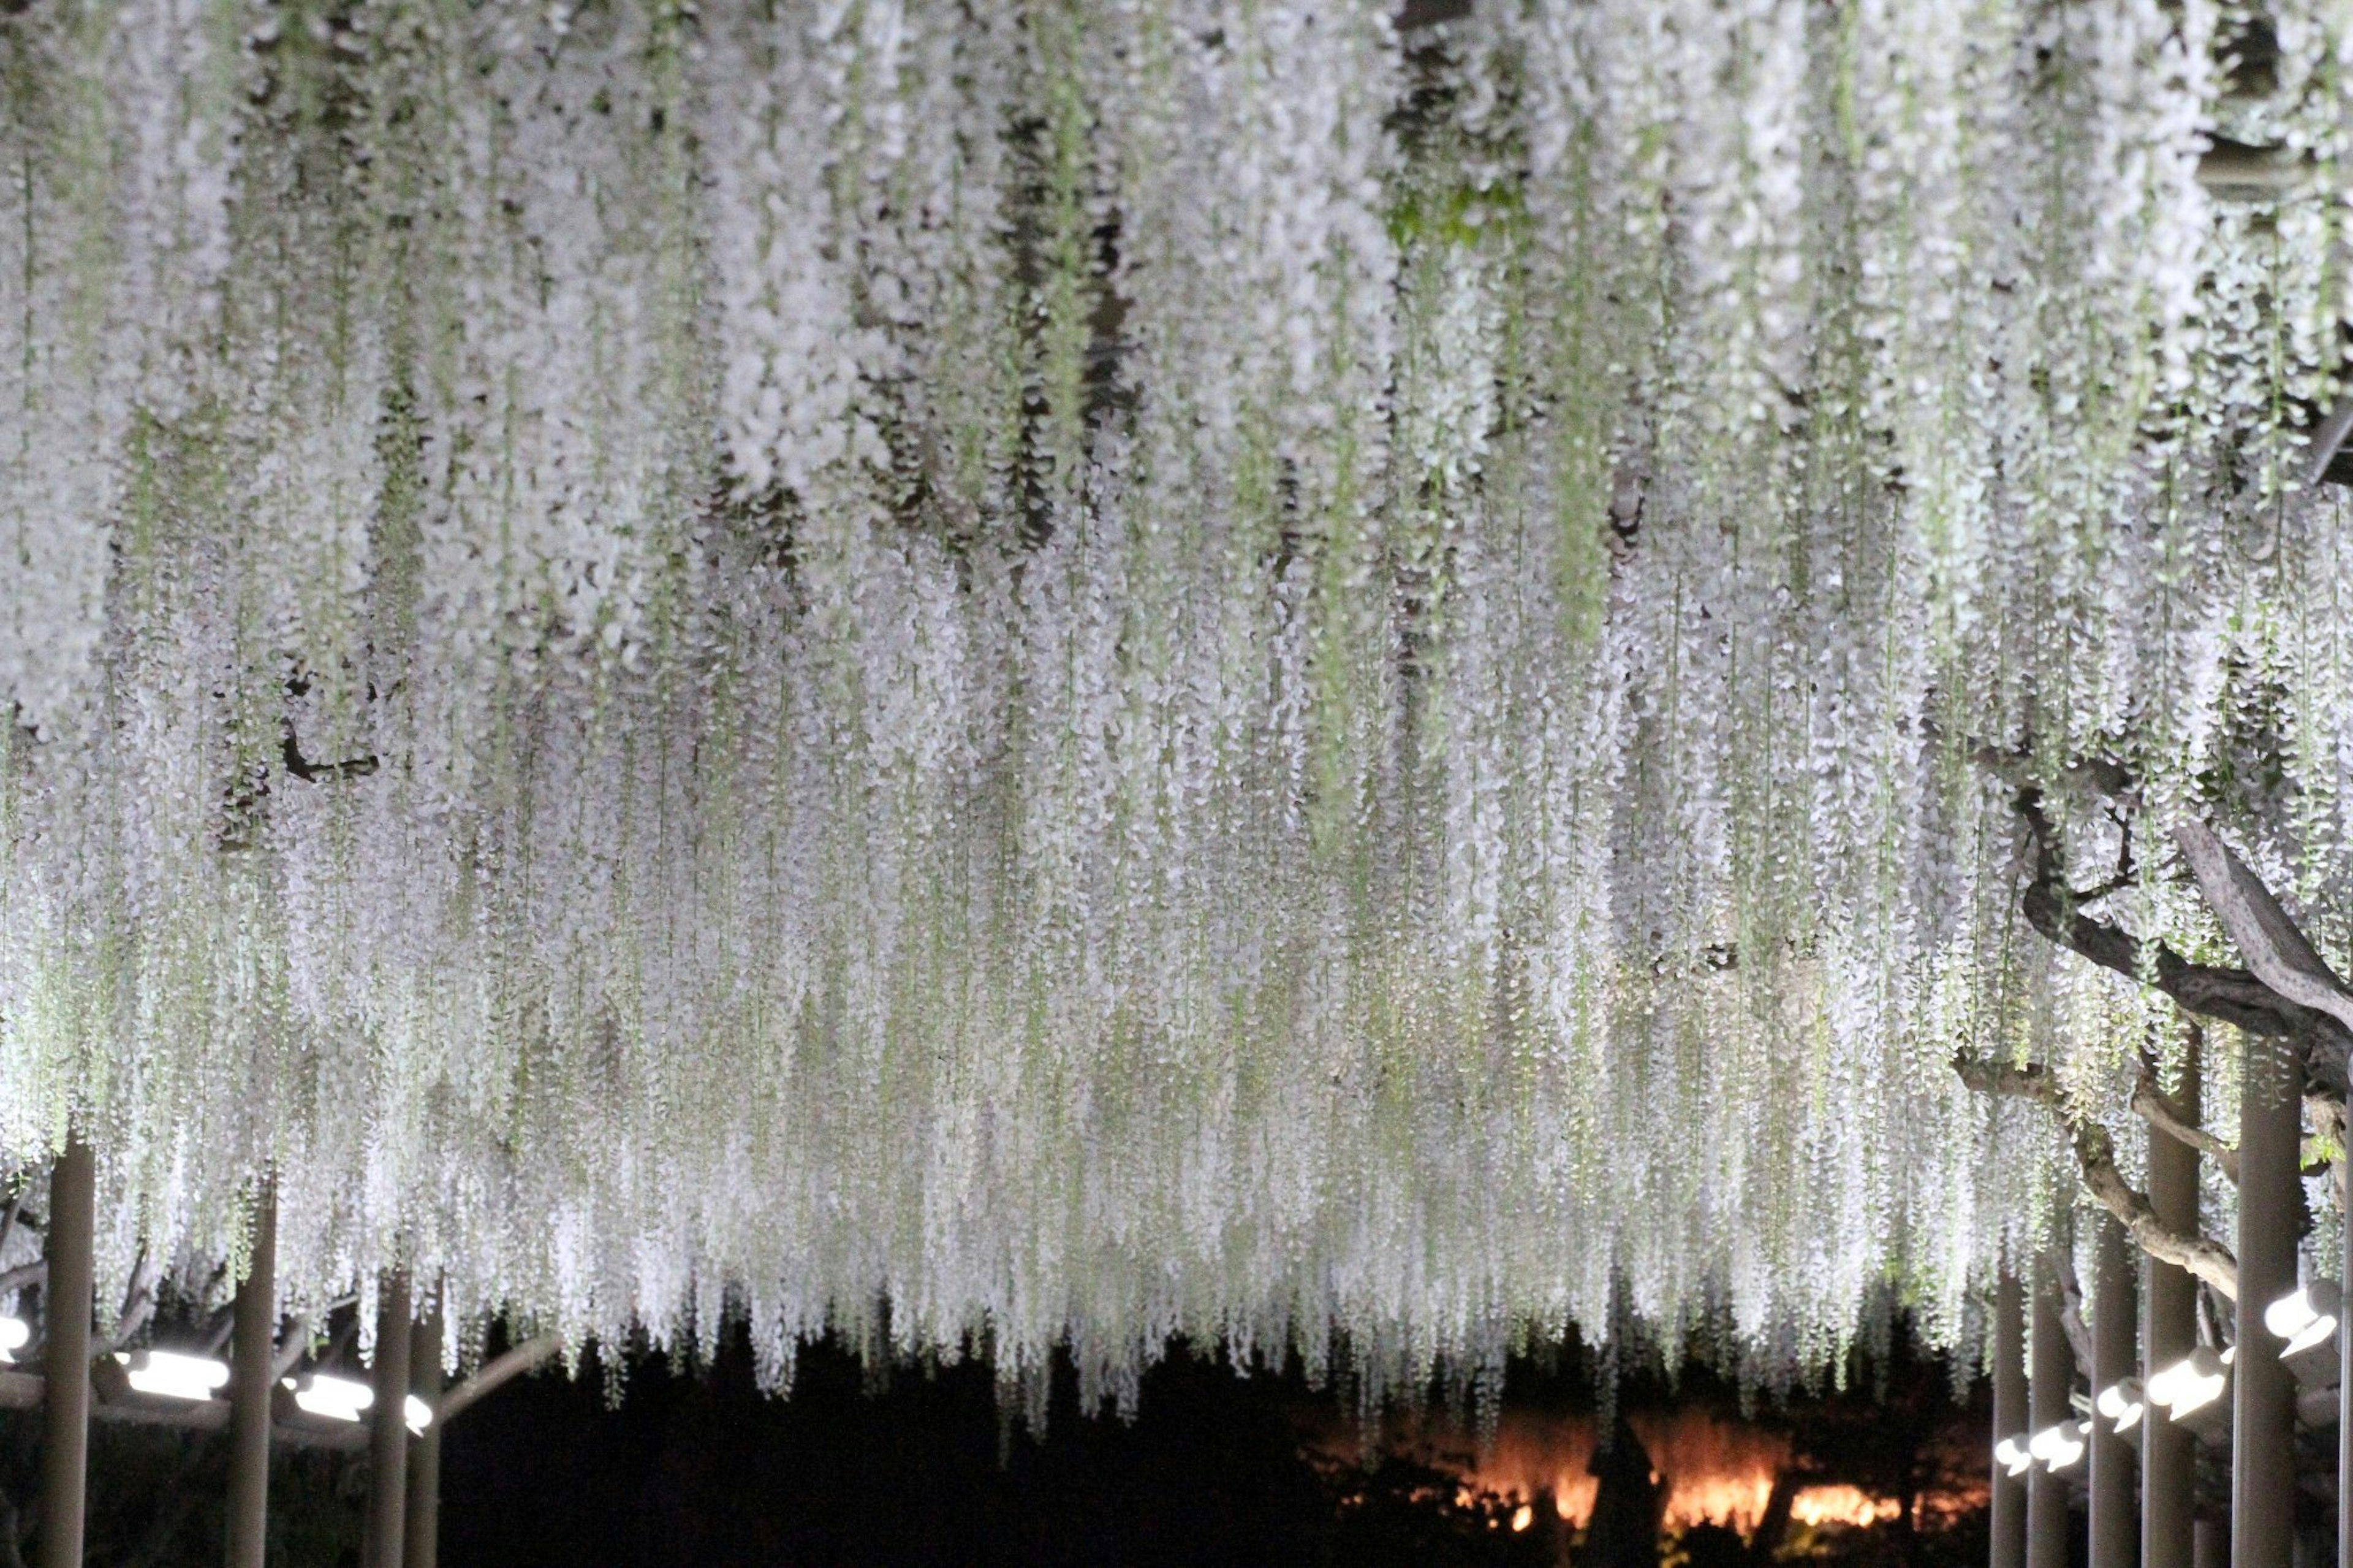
(2058, 1446)
(2122, 1405)
(2306, 1320)
(2011, 1455)
(419, 1416)
(2188, 1389)
(14, 1334)
(174, 1377)
(336, 1398)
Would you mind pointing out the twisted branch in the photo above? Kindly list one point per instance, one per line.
(2095, 1153)
(2307, 1013)
(2071, 1309)
(2151, 1107)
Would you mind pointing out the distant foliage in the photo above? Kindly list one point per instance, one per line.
(1133, 667)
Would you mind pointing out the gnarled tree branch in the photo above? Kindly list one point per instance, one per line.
(2274, 945)
(2095, 1154)
(2240, 997)
(2150, 1105)
(137, 1302)
(2070, 1310)
(293, 1346)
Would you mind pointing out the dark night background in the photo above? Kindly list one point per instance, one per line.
(697, 1469)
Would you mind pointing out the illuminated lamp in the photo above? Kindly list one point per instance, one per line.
(2122, 1405)
(170, 1375)
(2306, 1320)
(419, 1416)
(14, 1334)
(2058, 1446)
(2191, 1390)
(2011, 1455)
(336, 1398)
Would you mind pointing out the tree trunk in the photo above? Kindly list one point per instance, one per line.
(424, 1527)
(2271, 1195)
(65, 1307)
(2054, 1375)
(2115, 1339)
(2008, 1524)
(388, 1426)
(253, 1349)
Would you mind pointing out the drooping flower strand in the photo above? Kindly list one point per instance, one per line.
(1119, 671)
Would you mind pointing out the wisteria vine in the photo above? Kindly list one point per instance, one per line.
(1114, 668)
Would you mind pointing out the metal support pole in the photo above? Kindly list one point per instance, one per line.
(2271, 1198)
(65, 1308)
(2009, 1521)
(2114, 1341)
(388, 1425)
(2168, 1454)
(424, 1533)
(2054, 1375)
(2345, 1370)
(253, 1346)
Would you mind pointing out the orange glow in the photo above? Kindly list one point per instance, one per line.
(1713, 1471)
(1840, 1504)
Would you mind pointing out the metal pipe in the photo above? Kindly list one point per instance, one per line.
(2168, 1454)
(2054, 1377)
(253, 1349)
(388, 1425)
(2271, 1200)
(424, 1526)
(2009, 1521)
(2345, 1366)
(65, 1308)
(2114, 1342)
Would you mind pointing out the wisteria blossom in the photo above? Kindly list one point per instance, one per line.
(1114, 668)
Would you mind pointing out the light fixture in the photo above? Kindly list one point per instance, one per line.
(15, 1335)
(336, 1398)
(2188, 1389)
(2122, 1404)
(2011, 1455)
(2057, 1445)
(171, 1376)
(2306, 1320)
(417, 1413)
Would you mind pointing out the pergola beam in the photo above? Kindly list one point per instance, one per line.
(494, 1374)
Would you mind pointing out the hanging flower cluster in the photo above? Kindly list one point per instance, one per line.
(1113, 668)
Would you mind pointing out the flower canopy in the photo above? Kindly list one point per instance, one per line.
(1124, 667)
